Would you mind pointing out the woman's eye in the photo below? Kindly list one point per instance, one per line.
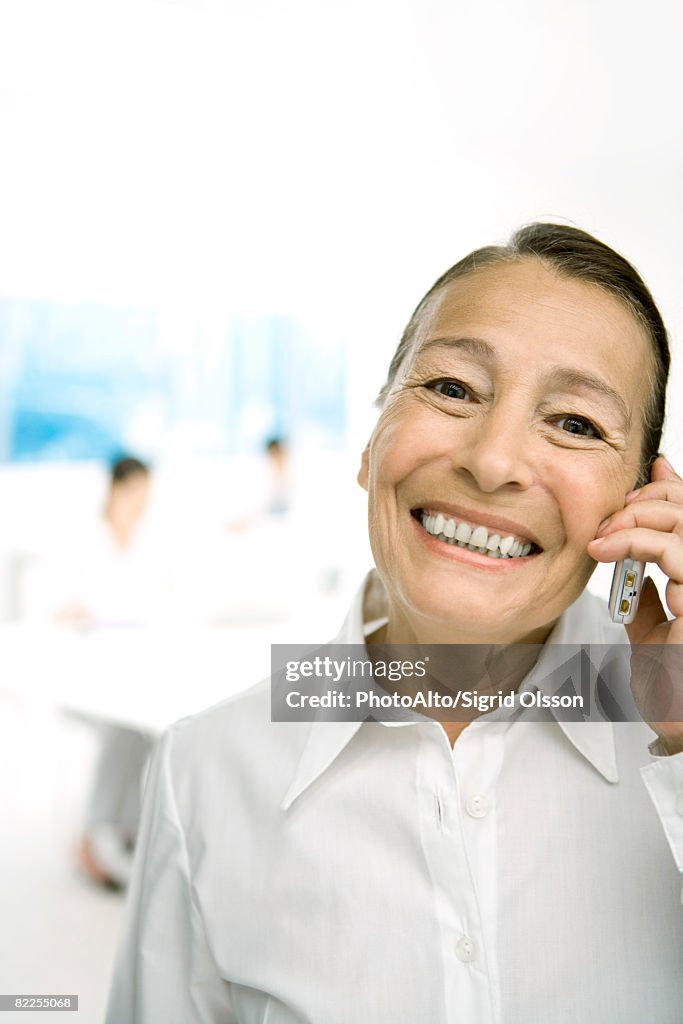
(578, 425)
(450, 388)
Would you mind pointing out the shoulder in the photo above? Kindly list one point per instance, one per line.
(232, 752)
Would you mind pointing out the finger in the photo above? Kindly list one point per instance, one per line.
(669, 489)
(665, 490)
(674, 601)
(656, 515)
(650, 613)
(663, 470)
(666, 549)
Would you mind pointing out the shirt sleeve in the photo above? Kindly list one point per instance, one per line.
(165, 970)
(664, 780)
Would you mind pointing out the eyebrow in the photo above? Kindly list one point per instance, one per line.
(563, 376)
(576, 380)
(475, 346)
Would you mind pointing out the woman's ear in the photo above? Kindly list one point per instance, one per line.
(364, 471)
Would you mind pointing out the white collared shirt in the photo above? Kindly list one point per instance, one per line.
(348, 873)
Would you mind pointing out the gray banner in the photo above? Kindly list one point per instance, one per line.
(33, 1003)
(457, 683)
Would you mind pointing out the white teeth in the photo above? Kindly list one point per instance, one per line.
(474, 538)
(479, 537)
(463, 533)
(506, 544)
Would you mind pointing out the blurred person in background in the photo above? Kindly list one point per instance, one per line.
(273, 492)
(265, 540)
(112, 577)
(279, 497)
(117, 580)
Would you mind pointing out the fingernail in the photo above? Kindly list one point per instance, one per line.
(632, 494)
(598, 540)
(604, 523)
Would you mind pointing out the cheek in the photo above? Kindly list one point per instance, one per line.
(587, 493)
(401, 443)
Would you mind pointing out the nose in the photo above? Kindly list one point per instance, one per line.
(499, 451)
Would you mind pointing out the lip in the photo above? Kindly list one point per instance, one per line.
(471, 515)
(458, 554)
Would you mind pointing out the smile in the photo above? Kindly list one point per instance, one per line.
(483, 540)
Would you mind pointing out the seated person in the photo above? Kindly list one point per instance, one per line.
(117, 581)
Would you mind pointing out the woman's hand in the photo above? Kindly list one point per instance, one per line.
(650, 529)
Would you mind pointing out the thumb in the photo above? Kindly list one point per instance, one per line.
(649, 615)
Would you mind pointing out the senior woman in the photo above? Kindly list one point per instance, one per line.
(503, 870)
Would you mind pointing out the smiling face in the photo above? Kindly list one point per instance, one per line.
(517, 416)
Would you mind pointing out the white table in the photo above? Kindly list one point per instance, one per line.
(146, 677)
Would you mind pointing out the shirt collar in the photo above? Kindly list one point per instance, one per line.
(326, 740)
(584, 619)
(584, 622)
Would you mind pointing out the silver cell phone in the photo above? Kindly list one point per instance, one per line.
(627, 583)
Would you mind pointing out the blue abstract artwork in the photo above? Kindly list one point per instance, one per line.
(89, 381)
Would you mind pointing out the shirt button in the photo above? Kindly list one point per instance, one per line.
(466, 950)
(477, 806)
(679, 803)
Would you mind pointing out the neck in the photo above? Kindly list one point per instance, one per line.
(414, 629)
(485, 663)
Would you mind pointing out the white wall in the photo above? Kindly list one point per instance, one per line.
(332, 156)
(330, 159)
